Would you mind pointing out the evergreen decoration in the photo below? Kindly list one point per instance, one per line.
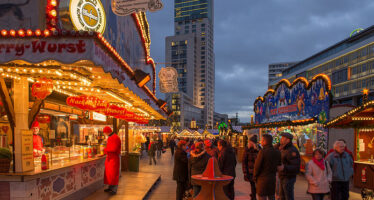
(5, 153)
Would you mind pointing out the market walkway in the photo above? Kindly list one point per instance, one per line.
(165, 189)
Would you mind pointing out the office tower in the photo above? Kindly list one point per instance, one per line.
(191, 52)
(275, 70)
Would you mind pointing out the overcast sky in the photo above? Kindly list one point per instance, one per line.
(250, 34)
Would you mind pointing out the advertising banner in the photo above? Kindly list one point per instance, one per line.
(127, 7)
(168, 80)
(301, 100)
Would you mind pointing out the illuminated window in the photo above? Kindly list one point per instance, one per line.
(172, 44)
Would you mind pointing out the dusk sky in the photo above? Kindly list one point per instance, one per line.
(248, 35)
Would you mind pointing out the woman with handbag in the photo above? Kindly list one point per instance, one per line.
(319, 175)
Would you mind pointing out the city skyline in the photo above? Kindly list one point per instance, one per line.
(279, 37)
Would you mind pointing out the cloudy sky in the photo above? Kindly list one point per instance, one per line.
(250, 34)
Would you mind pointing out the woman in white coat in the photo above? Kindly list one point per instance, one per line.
(319, 175)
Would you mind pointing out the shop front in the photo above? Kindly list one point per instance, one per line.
(299, 108)
(59, 88)
(362, 121)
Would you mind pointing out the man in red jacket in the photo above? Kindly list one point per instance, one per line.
(112, 162)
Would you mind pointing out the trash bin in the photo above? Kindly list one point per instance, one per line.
(134, 161)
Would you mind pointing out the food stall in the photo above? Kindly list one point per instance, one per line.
(73, 81)
(362, 121)
(299, 108)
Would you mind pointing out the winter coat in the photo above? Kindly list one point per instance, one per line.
(159, 145)
(112, 162)
(346, 150)
(152, 148)
(318, 179)
(172, 144)
(227, 161)
(341, 166)
(197, 163)
(265, 169)
(212, 151)
(290, 157)
(248, 163)
(180, 172)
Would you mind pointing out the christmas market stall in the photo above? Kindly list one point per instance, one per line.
(362, 121)
(299, 108)
(67, 69)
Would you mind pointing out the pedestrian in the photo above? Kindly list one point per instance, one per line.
(197, 164)
(345, 149)
(227, 165)
(319, 175)
(159, 147)
(112, 162)
(277, 181)
(341, 165)
(265, 169)
(180, 172)
(172, 146)
(210, 148)
(152, 148)
(290, 167)
(147, 142)
(248, 163)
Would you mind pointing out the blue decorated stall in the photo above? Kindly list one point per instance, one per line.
(300, 108)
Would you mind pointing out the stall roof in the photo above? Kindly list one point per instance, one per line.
(280, 124)
(80, 63)
(359, 117)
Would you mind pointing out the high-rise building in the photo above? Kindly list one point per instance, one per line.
(191, 52)
(275, 70)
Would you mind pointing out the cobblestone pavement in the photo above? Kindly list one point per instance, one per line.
(166, 188)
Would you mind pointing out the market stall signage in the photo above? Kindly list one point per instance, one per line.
(127, 7)
(168, 80)
(87, 15)
(86, 102)
(42, 88)
(298, 101)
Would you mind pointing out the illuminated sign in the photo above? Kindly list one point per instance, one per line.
(127, 7)
(87, 15)
(98, 117)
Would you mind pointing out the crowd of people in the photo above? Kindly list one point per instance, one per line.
(191, 158)
(270, 169)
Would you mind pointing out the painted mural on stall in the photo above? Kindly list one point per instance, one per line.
(297, 102)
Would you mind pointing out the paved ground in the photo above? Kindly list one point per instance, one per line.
(165, 189)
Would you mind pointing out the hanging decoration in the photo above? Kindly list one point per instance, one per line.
(42, 88)
(127, 7)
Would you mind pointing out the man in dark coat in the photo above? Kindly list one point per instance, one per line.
(248, 163)
(197, 164)
(265, 169)
(180, 172)
(290, 167)
(172, 146)
(227, 165)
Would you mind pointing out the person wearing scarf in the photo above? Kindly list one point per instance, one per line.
(319, 175)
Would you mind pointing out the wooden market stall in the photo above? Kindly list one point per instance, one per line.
(299, 108)
(362, 120)
(73, 81)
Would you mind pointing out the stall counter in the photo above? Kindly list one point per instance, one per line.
(60, 181)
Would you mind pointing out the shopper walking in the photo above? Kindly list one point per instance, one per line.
(172, 146)
(341, 165)
(210, 148)
(180, 172)
(319, 175)
(265, 168)
(227, 165)
(197, 164)
(290, 167)
(112, 162)
(160, 146)
(152, 148)
(248, 163)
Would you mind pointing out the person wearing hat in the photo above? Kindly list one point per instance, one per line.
(37, 140)
(210, 148)
(112, 162)
(290, 167)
